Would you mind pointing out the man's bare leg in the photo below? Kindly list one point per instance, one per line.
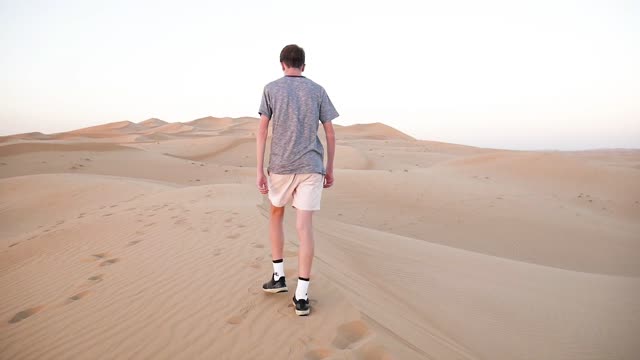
(305, 234)
(276, 234)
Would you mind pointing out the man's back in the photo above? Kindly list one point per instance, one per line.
(294, 105)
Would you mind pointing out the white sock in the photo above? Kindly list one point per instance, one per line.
(301, 290)
(278, 269)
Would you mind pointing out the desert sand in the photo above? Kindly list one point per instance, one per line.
(149, 241)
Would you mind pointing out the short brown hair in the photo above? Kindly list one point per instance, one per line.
(292, 56)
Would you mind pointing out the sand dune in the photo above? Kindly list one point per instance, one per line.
(176, 249)
(211, 123)
(26, 136)
(169, 129)
(152, 122)
(149, 240)
(376, 131)
(108, 129)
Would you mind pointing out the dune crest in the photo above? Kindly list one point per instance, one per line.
(152, 122)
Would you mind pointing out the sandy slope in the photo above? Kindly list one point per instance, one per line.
(149, 240)
(168, 272)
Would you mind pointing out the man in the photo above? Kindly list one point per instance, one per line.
(295, 106)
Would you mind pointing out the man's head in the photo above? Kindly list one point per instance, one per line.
(292, 56)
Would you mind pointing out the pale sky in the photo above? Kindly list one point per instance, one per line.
(505, 74)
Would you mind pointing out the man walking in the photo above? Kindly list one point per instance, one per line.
(295, 106)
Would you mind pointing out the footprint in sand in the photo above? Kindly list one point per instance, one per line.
(372, 352)
(79, 295)
(317, 354)
(228, 220)
(234, 320)
(133, 242)
(14, 244)
(233, 236)
(109, 214)
(149, 224)
(100, 255)
(254, 290)
(109, 262)
(25, 314)
(96, 278)
(257, 246)
(237, 319)
(350, 333)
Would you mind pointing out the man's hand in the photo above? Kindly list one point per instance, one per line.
(328, 179)
(261, 183)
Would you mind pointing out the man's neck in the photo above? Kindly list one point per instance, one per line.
(292, 72)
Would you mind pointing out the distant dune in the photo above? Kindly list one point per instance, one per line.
(150, 240)
(119, 126)
(170, 129)
(211, 123)
(376, 131)
(25, 136)
(153, 122)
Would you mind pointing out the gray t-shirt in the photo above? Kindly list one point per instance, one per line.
(294, 105)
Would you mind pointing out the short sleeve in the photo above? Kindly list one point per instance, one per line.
(265, 105)
(327, 111)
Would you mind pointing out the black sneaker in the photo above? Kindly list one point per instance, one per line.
(273, 286)
(302, 306)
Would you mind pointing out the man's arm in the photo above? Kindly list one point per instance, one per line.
(331, 151)
(261, 141)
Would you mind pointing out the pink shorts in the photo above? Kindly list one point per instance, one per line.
(304, 189)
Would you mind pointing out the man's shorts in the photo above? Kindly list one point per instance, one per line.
(304, 189)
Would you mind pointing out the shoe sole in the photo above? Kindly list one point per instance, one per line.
(275, 291)
(301, 312)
